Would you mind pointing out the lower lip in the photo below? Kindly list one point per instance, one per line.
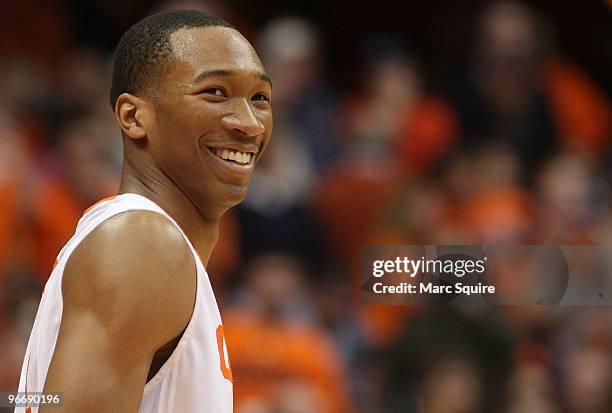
(232, 167)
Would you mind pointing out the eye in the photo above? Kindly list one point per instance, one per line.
(215, 91)
(213, 94)
(260, 97)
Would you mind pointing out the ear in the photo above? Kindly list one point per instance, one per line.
(134, 115)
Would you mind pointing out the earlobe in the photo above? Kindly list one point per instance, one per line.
(131, 114)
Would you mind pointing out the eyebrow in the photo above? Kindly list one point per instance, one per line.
(225, 72)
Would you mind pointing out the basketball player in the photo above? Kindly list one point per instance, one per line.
(128, 320)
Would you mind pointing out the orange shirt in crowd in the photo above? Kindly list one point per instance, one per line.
(266, 354)
(55, 209)
(429, 130)
(582, 113)
(500, 215)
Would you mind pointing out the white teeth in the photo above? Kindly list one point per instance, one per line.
(239, 157)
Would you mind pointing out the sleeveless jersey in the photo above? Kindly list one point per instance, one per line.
(197, 375)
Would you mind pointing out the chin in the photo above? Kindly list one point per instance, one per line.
(233, 195)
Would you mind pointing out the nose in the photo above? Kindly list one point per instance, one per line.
(243, 119)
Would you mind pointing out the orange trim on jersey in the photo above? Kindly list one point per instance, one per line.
(226, 369)
(110, 198)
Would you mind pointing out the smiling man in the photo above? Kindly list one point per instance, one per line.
(128, 320)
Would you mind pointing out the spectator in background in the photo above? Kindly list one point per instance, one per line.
(352, 194)
(275, 341)
(478, 198)
(79, 173)
(497, 209)
(391, 117)
(291, 47)
(532, 389)
(448, 361)
(516, 92)
(500, 98)
(388, 89)
(18, 294)
(586, 379)
(568, 207)
(14, 168)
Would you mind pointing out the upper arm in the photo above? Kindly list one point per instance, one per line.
(128, 289)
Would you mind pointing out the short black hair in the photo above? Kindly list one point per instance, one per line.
(144, 50)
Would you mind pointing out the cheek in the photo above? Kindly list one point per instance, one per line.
(184, 125)
(173, 146)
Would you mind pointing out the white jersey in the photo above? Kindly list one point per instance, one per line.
(197, 376)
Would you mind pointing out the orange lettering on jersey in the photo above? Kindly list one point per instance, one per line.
(226, 369)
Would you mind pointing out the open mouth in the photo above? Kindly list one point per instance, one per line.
(233, 156)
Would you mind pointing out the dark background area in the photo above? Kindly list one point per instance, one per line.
(438, 31)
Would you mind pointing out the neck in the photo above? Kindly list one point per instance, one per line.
(201, 231)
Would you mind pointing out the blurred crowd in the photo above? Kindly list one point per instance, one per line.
(513, 147)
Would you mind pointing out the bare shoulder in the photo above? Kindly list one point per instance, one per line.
(136, 274)
(127, 289)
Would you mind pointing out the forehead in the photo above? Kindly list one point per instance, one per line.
(212, 48)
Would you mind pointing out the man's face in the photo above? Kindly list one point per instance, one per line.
(213, 116)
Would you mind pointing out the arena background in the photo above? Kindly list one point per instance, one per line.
(437, 122)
